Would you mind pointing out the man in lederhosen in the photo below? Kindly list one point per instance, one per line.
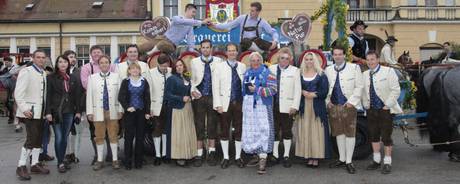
(358, 44)
(251, 26)
(206, 120)
(343, 99)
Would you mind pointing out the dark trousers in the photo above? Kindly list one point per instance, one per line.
(134, 129)
(233, 117)
(93, 141)
(283, 123)
(34, 131)
(46, 137)
(203, 111)
(159, 122)
(380, 126)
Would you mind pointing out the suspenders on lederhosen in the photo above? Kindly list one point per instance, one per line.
(247, 42)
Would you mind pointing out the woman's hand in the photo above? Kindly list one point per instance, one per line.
(147, 116)
(252, 89)
(49, 117)
(90, 117)
(305, 93)
(131, 109)
(186, 99)
(78, 115)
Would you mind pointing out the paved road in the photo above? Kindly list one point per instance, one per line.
(410, 165)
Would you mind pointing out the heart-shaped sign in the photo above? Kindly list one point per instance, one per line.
(297, 29)
(151, 28)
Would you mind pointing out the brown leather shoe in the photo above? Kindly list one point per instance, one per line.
(262, 164)
(98, 166)
(116, 164)
(22, 173)
(39, 169)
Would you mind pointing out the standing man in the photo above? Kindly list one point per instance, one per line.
(86, 71)
(132, 53)
(358, 44)
(206, 118)
(252, 26)
(380, 99)
(181, 29)
(30, 95)
(342, 101)
(388, 53)
(159, 111)
(286, 102)
(228, 81)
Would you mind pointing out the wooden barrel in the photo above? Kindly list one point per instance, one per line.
(187, 58)
(244, 57)
(319, 55)
(220, 54)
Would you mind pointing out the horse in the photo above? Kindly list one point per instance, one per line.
(439, 95)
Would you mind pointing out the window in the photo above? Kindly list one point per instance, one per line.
(106, 49)
(82, 54)
(4, 51)
(353, 3)
(24, 49)
(450, 2)
(412, 2)
(122, 48)
(201, 9)
(431, 3)
(371, 4)
(46, 49)
(170, 8)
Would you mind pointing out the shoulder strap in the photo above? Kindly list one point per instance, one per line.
(244, 24)
(257, 27)
(92, 69)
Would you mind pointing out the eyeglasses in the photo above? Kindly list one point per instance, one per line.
(284, 57)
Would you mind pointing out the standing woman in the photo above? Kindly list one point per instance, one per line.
(181, 129)
(63, 105)
(312, 126)
(103, 108)
(258, 129)
(134, 97)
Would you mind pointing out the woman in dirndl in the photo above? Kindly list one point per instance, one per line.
(258, 129)
(312, 142)
(181, 126)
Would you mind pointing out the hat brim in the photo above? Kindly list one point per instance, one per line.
(356, 25)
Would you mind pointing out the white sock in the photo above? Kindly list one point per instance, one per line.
(237, 150)
(23, 157)
(387, 160)
(275, 149)
(224, 145)
(163, 140)
(114, 148)
(350, 147)
(199, 152)
(377, 157)
(100, 152)
(263, 155)
(287, 147)
(35, 155)
(341, 147)
(211, 150)
(153, 50)
(156, 143)
(16, 122)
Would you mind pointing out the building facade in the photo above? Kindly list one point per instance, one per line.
(421, 26)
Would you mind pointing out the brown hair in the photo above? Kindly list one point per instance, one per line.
(133, 65)
(106, 57)
(373, 52)
(174, 71)
(257, 5)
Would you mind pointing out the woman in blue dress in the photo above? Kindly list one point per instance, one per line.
(312, 127)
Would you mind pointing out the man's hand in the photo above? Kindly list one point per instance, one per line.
(196, 95)
(274, 45)
(147, 116)
(28, 114)
(348, 105)
(78, 115)
(186, 99)
(329, 105)
(385, 108)
(220, 109)
(90, 117)
(292, 111)
(206, 21)
(120, 114)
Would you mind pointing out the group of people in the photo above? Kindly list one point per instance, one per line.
(190, 109)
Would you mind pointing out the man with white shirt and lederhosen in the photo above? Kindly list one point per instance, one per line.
(132, 56)
(286, 103)
(30, 96)
(158, 109)
(380, 99)
(343, 99)
(206, 118)
(227, 100)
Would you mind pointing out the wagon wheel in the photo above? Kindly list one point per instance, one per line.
(244, 58)
(220, 55)
(187, 58)
(319, 55)
(153, 59)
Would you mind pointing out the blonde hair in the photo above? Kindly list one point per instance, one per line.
(133, 65)
(316, 64)
(284, 50)
(256, 54)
